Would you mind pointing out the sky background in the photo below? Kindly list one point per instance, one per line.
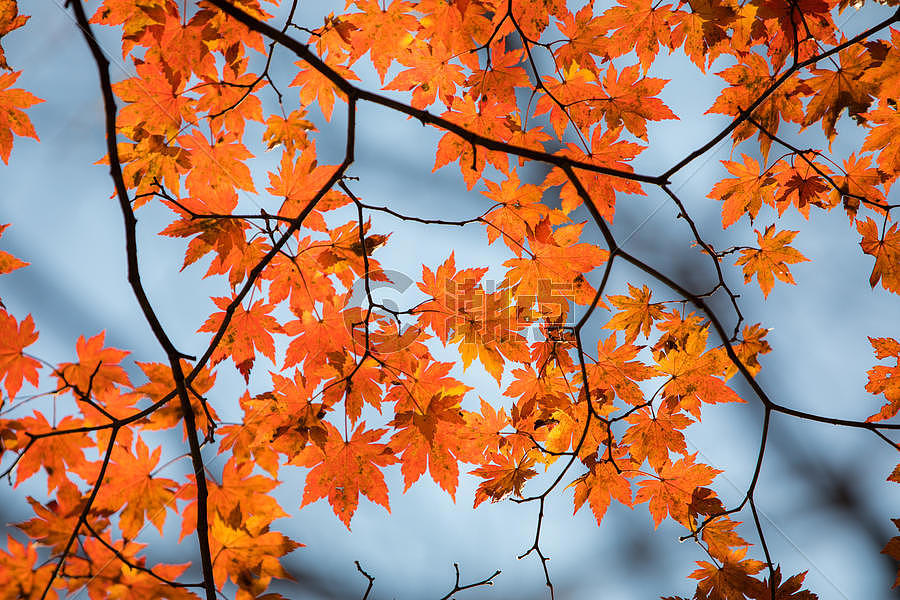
(823, 495)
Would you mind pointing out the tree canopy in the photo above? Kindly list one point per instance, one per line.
(543, 108)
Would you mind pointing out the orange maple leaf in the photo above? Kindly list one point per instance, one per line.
(883, 137)
(637, 312)
(790, 589)
(745, 193)
(428, 435)
(21, 574)
(630, 100)
(505, 474)
(97, 370)
(886, 250)
(730, 581)
(12, 119)
(640, 25)
(885, 380)
(344, 469)
(600, 485)
(247, 555)
(748, 80)
(53, 524)
(771, 259)
(695, 374)
(155, 101)
(240, 498)
(130, 482)
(14, 365)
(841, 88)
(248, 331)
(654, 436)
(670, 493)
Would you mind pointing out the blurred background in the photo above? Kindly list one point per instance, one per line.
(824, 501)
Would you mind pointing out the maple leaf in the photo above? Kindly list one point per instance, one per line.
(499, 81)
(53, 524)
(637, 313)
(299, 182)
(105, 572)
(97, 370)
(654, 436)
(149, 162)
(569, 429)
(14, 365)
(357, 383)
(720, 536)
(884, 74)
(21, 577)
(130, 483)
(155, 101)
(316, 335)
(482, 433)
(161, 383)
(616, 369)
(833, 91)
(289, 131)
(585, 37)
(748, 350)
(732, 580)
(136, 18)
(533, 17)
(639, 25)
(882, 137)
(771, 258)
(802, 182)
(230, 100)
(778, 19)
(427, 435)
(555, 269)
(344, 469)
(565, 97)
(384, 31)
(789, 590)
(630, 100)
(886, 250)
(519, 212)
(745, 193)
(695, 373)
(249, 557)
(860, 180)
(217, 169)
(607, 150)
(317, 89)
(462, 311)
(748, 80)
(600, 485)
(703, 30)
(492, 120)
(12, 119)
(885, 380)
(671, 492)
(505, 474)
(241, 499)
(248, 331)
(60, 455)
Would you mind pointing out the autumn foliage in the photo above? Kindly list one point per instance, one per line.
(352, 390)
